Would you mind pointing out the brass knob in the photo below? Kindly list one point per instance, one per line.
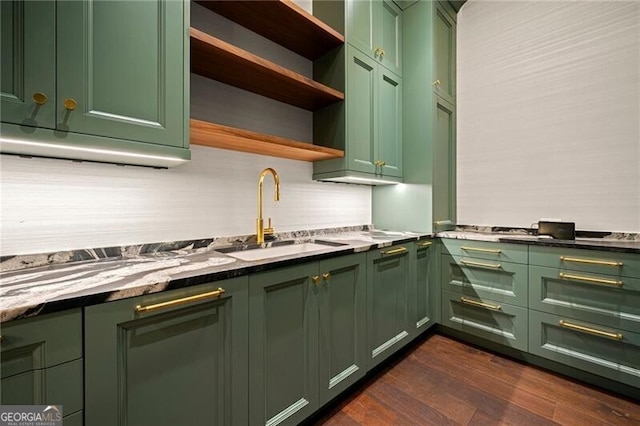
(70, 104)
(382, 164)
(326, 275)
(377, 51)
(39, 98)
(436, 83)
(315, 279)
(381, 53)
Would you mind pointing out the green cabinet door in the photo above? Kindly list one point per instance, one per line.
(423, 283)
(361, 111)
(122, 64)
(444, 71)
(375, 28)
(283, 348)
(41, 361)
(388, 323)
(342, 326)
(180, 364)
(389, 123)
(27, 75)
(444, 169)
(389, 35)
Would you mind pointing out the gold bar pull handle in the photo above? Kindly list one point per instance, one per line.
(425, 244)
(171, 303)
(481, 264)
(614, 283)
(394, 251)
(479, 304)
(590, 261)
(481, 250)
(594, 331)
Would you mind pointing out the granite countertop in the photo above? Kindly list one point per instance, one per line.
(43, 283)
(626, 243)
(38, 284)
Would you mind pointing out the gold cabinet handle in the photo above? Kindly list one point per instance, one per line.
(326, 276)
(315, 279)
(425, 244)
(394, 251)
(381, 52)
(376, 51)
(436, 83)
(379, 163)
(442, 222)
(70, 104)
(481, 250)
(211, 294)
(39, 98)
(594, 331)
(481, 264)
(590, 261)
(479, 304)
(615, 283)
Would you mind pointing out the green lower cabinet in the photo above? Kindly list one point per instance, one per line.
(307, 337)
(183, 362)
(343, 332)
(283, 349)
(499, 281)
(499, 322)
(598, 298)
(424, 267)
(389, 325)
(41, 361)
(598, 349)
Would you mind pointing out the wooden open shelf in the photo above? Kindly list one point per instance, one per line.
(281, 21)
(219, 136)
(219, 60)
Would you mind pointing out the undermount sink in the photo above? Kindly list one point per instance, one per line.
(286, 249)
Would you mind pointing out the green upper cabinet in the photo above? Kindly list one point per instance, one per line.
(367, 126)
(28, 83)
(444, 165)
(123, 63)
(108, 80)
(375, 28)
(444, 71)
(184, 349)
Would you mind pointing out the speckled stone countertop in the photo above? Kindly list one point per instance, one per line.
(50, 282)
(615, 242)
(43, 283)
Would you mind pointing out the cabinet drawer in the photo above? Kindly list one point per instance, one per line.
(589, 261)
(589, 297)
(501, 323)
(41, 342)
(601, 350)
(499, 281)
(58, 385)
(486, 250)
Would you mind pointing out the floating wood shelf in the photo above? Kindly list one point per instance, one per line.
(281, 21)
(219, 60)
(219, 136)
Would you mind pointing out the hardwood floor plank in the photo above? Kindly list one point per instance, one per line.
(542, 383)
(445, 381)
(411, 377)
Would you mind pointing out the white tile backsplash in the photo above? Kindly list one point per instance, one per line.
(51, 205)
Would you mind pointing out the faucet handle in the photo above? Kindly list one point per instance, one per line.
(269, 229)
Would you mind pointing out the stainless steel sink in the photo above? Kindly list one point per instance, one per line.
(278, 249)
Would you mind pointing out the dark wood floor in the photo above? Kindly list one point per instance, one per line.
(446, 382)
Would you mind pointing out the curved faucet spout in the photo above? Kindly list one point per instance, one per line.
(260, 230)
